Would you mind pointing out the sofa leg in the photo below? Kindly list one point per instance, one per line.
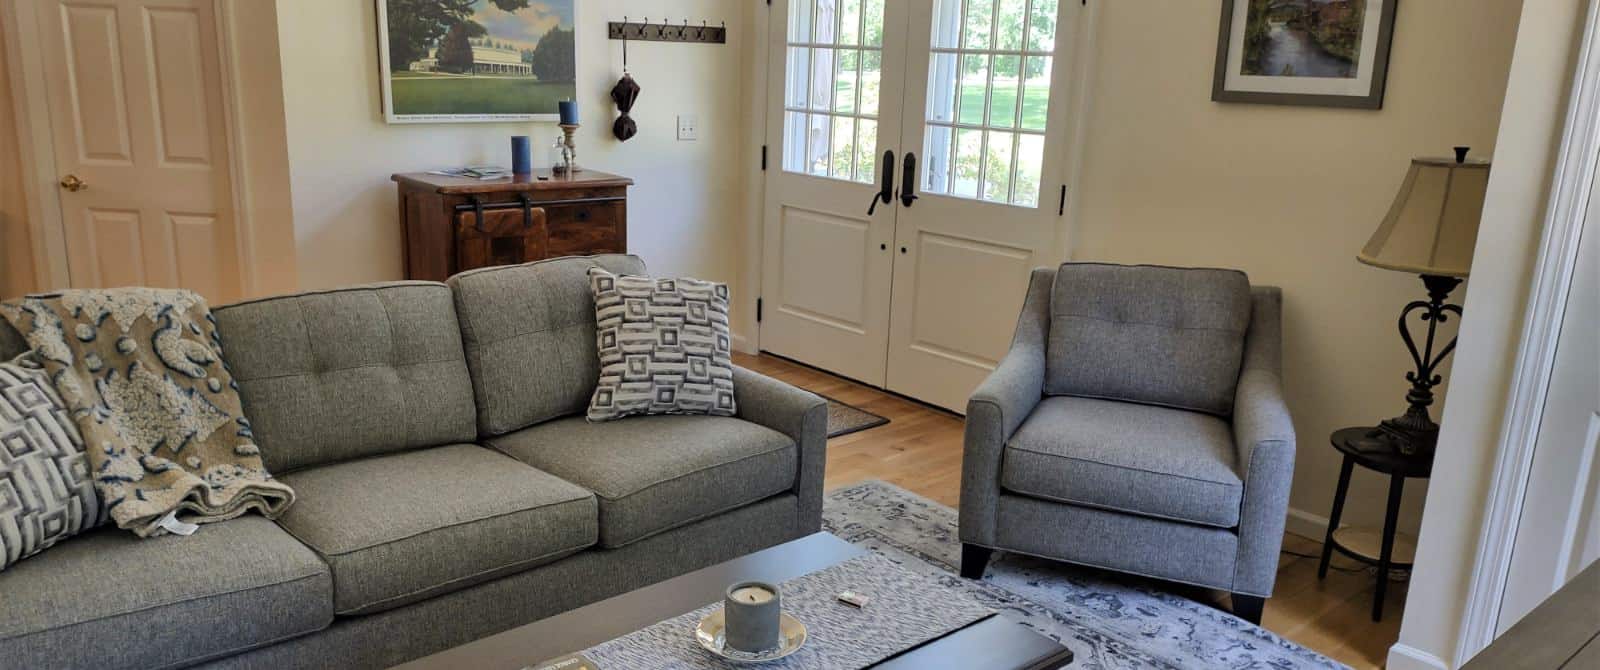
(973, 560)
(1248, 607)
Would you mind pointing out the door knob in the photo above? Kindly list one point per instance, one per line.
(72, 183)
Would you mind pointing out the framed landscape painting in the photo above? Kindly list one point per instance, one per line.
(1332, 53)
(462, 61)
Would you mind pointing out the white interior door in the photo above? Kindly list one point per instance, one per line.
(836, 78)
(136, 122)
(986, 135)
(1558, 533)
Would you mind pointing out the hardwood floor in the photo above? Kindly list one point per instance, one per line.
(920, 450)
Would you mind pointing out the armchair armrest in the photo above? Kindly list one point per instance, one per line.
(801, 415)
(1263, 433)
(999, 406)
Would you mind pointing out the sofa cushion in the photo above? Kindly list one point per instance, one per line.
(1139, 459)
(347, 373)
(530, 338)
(403, 527)
(46, 493)
(107, 599)
(654, 473)
(1156, 335)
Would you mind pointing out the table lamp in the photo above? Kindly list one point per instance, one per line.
(1430, 231)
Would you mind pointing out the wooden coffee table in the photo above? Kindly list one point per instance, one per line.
(994, 642)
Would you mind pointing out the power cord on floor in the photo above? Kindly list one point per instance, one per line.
(1395, 574)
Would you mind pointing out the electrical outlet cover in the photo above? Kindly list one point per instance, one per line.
(688, 127)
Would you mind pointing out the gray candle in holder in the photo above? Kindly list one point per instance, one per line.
(751, 611)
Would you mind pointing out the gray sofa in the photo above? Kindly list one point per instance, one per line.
(448, 487)
(1137, 424)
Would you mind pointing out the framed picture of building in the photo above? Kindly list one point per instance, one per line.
(463, 61)
(1331, 53)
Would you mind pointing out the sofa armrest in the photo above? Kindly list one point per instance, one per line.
(998, 407)
(799, 414)
(1264, 437)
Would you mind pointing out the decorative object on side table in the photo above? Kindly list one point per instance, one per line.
(1327, 53)
(1430, 230)
(521, 155)
(1393, 552)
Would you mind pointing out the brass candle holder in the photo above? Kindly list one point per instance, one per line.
(569, 149)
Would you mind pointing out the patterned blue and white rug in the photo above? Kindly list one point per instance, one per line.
(1109, 623)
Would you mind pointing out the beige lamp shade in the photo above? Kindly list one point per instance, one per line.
(1433, 224)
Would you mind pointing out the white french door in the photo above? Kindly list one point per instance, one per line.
(968, 106)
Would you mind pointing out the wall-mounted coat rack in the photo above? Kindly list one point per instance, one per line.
(667, 32)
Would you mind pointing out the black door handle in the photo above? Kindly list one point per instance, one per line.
(886, 191)
(908, 187)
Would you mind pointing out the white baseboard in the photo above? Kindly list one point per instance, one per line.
(1402, 657)
(742, 345)
(1306, 524)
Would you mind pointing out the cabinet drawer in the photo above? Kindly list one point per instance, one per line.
(585, 229)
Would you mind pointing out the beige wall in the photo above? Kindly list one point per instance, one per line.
(683, 211)
(1288, 194)
(1534, 117)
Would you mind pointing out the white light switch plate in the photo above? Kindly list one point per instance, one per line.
(688, 128)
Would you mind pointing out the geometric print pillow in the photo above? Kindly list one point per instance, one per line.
(665, 346)
(46, 494)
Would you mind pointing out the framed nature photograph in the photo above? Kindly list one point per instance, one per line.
(463, 61)
(1331, 53)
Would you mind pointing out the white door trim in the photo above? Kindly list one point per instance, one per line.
(1571, 183)
(39, 173)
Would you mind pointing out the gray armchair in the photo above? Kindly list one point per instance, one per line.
(1137, 424)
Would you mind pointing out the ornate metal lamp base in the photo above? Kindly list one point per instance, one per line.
(1415, 432)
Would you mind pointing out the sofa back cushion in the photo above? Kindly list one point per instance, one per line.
(1156, 335)
(334, 375)
(529, 334)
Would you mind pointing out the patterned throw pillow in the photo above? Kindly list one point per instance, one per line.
(664, 346)
(46, 494)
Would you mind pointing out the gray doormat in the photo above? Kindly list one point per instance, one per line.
(1108, 621)
(846, 419)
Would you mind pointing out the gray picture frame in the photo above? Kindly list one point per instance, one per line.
(1373, 99)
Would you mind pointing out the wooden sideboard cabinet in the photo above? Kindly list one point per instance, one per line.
(452, 224)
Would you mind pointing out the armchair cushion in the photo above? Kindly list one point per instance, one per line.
(1138, 459)
(1155, 335)
(655, 473)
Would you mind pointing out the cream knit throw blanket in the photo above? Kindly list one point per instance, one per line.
(141, 372)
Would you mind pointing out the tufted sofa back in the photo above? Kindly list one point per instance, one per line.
(334, 375)
(529, 335)
(1148, 334)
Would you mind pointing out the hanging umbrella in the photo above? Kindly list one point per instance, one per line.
(624, 94)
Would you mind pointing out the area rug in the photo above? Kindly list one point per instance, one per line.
(1109, 623)
(846, 419)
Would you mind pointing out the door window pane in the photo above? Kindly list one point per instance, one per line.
(831, 95)
(978, 32)
(1003, 94)
(1009, 27)
(849, 21)
(989, 98)
(1042, 26)
(997, 167)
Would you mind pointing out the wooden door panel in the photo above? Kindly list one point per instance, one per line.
(115, 241)
(823, 276)
(182, 124)
(96, 107)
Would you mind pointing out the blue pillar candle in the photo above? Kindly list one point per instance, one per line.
(521, 155)
(569, 112)
(750, 616)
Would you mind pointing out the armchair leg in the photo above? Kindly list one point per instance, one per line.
(1248, 607)
(973, 560)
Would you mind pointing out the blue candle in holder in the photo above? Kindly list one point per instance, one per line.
(521, 155)
(569, 112)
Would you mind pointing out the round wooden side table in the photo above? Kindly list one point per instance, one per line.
(1359, 449)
